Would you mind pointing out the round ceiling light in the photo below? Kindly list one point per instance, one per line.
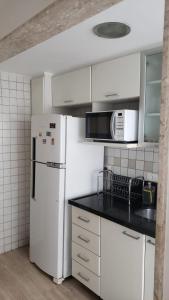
(111, 30)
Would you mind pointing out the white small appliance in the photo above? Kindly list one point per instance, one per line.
(63, 168)
(113, 126)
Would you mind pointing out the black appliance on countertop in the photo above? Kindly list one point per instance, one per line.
(135, 191)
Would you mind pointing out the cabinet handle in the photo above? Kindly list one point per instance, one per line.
(111, 95)
(84, 219)
(83, 277)
(131, 236)
(151, 243)
(83, 257)
(68, 101)
(86, 240)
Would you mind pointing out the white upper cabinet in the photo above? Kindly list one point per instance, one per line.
(72, 88)
(116, 79)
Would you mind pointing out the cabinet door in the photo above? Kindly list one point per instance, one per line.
(149, 269)
(72, 88)
(116, 79)
(152, 97)
(122, 262)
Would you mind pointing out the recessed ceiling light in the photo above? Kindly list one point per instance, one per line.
(111, 30)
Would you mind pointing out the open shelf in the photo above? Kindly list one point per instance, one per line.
(124, 146)
(112, 145)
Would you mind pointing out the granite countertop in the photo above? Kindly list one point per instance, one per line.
(116, 211)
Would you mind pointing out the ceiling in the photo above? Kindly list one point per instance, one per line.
(78, 46)
(14, 13)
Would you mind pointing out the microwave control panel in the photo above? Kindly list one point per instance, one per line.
(119, 126)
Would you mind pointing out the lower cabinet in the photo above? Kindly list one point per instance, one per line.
(115, 262)
(149, 268)
(122, 262)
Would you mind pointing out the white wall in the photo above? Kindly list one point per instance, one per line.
(15, 113)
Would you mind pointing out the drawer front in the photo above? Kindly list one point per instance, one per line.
(86, 258)
(86, 277)
(86, 239)
(86, 220)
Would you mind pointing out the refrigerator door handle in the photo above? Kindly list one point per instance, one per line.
(55, 165)
(33, 179)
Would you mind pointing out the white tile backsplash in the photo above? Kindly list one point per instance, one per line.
(140, 155)
(15, 115)
(134, 162)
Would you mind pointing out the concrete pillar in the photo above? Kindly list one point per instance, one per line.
(161, 291)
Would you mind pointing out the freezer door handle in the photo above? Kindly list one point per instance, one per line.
(34, 148)
(33, 179)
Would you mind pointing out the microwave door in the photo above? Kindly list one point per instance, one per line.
(113, 126)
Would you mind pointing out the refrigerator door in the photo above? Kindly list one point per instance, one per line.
(48, 138)
(46, 220)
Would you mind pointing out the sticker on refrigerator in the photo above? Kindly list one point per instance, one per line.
(52, 141)
(40, 134)
(44, 141)
(48, 133)
(52, 125)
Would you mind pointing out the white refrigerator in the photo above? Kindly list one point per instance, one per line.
(62, 168)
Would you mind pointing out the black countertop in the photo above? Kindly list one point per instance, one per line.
(116, 211)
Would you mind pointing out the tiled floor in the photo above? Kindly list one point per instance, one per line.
(21, 280)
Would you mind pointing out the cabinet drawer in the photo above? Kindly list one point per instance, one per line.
(86, 220)
(86, 277)
(86, 239)
(86, 258)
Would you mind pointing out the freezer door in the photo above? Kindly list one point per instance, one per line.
(46, 220)
(48, 138)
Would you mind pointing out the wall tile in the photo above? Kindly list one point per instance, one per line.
(149, 156)
(124, 153)
(132, 154)
(131, 173)
(124, 162)
(117, 161)
(140, 155)
(124, 171)
(134, 162)
(140, 164)
(155, 167)
(148, 166)
(15, 111)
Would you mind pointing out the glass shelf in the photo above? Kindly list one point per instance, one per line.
(152, 114)
(153, 82)
(152, 97)
(152, 129)
(153, 67)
